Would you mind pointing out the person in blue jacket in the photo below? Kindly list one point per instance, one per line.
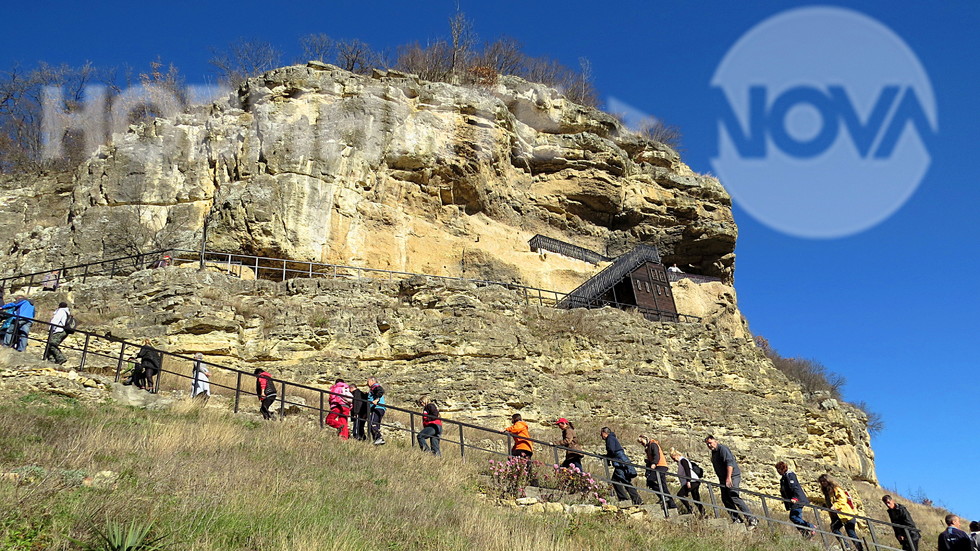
(623, 470)
(794, 498)
(376, 401)
(22, 311)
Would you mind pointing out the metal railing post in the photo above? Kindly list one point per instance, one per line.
(112, 272)
(85, 274)
(238, 390)
(284, 270)
(462, 445)
(156, 384)
(714, 501)
(874, 536)
(282, 402)
(823, 531)
(555, 450)
(411, 424)
(765, 513)
(321, 410)
(81, 364)
(122, 351)
(256, 271)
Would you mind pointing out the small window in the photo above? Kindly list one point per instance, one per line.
(647, 283)
(658, 290)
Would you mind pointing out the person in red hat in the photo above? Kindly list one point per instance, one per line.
(568, 440)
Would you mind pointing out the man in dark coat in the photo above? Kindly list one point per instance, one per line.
(906, 532)
(359, 411)
(623, 470)
(952, 538)
(730, 476)
(794, 498)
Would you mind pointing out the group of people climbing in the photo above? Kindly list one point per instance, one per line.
(690, 475)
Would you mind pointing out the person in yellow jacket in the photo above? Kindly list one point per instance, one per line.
(519, 432)
(844, 511)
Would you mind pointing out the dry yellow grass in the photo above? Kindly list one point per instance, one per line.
(212, 480)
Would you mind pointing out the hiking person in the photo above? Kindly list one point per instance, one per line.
(265, 389)
(359, 411)
(21, 319)
(163, 262)
(568, 440)
(839, 500)
(519, 432)
(906, 532)
(376, 400)
(794, 498)
(51, 280)
(57, 334)
(953, 538)
(151, 361)
(623, 470)
(975, 533)
(200, 378)
(431, 426)
(340, 403)
(729, 476)
(690, 474)
(656, 474)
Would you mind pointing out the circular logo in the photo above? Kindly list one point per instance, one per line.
(823, 117)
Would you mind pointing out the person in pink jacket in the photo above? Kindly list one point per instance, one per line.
(340, 402)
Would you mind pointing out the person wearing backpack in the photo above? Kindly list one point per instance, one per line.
(431, 426)
(151, 361)
(200, 379)
(843, 513)
(265, 389)
(21, 320)
(57, 332)
(794, 498)
(656, 475)
(690, 474)
(359, 411)
(340, 402)
(623, 470)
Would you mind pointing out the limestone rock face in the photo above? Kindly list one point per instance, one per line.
(388, 171)
(483, 353)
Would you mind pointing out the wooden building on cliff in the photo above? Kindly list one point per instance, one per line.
(636, 280)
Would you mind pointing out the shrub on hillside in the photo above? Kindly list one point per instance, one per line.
(812, 375)
(510, 479)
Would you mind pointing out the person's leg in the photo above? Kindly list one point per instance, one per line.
(344, 423)
(54, 347)
(696, 494)
(23, 332)
(726, 500)
(849, 527)
(737, 500)
(376, 416)
(914, 543)
(424, 437)
(434, 441)
(267, 407)
(835, 526)
(684, 503)
(660, 475)
(634, 495)
(796, 517)
(359, 422)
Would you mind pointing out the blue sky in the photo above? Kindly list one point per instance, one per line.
(892, 308)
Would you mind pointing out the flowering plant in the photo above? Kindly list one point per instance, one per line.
(510, 478)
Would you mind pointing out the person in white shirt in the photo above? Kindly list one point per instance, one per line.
(690, 483)
(57, 334)
(201, 381)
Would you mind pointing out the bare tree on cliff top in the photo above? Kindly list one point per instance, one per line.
(243, 59)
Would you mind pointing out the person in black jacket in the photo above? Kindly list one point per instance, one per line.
(150, 361)
(794, 498)
(906, 532)
(359, 411)
(265, 389)
(952, 538)
(623, 470)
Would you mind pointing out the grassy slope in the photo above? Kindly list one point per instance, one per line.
(214, 481)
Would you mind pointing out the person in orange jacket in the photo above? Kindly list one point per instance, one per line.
(519, 432)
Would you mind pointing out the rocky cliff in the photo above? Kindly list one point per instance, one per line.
(388, 171)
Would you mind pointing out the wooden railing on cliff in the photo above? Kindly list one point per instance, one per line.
(108, 354)
(281, 269)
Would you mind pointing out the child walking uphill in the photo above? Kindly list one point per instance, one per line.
(376, 401)
(265, 389)
(340, 402)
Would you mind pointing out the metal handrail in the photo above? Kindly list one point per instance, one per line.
(91, 338)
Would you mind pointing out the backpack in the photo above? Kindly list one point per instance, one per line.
(849, 502)
(70, 324)
(696, 469)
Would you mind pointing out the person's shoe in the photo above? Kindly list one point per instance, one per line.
(753, 522)
(379, 442)
(808, 535)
